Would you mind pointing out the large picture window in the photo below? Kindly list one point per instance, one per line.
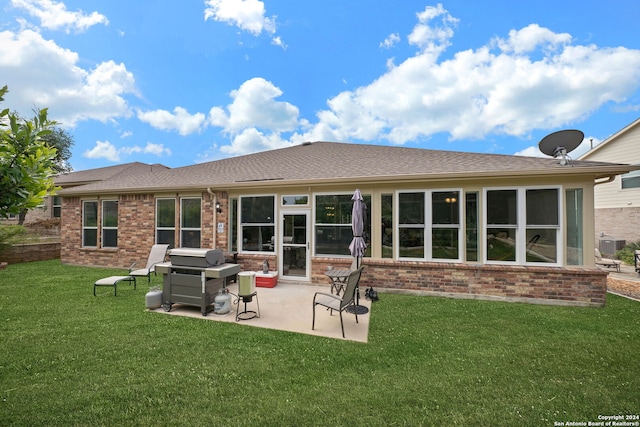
(166, 222)
(333, 224)
(523, 225)
(90, 223)
(190, 222)
(109, 223)
(257, 223)
(429, 225)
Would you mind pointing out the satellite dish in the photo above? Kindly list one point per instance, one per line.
(560, 143)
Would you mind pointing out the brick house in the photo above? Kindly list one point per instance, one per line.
(617, 202)
(438, 222)
(52, 205)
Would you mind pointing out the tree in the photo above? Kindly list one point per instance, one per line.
(62, 142)
(27, 161)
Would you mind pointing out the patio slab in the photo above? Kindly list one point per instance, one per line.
(288, 307)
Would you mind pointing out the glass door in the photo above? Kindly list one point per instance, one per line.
(294, 245)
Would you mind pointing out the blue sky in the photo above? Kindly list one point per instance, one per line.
(186, 82)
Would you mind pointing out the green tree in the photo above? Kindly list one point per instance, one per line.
(27, 162)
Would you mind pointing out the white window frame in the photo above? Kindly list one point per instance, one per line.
(182, 228)
(104, 227)
(241, 224)
(174, 219)
(428, 225)
(521, 226)
(296, 205)
(84, 227)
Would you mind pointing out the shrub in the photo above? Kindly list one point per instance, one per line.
(10, 235)
(626, 254)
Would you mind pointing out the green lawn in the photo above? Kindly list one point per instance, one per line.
(68, 358)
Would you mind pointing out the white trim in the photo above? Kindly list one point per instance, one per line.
(521, 225)
(240, 223)
(428, 225)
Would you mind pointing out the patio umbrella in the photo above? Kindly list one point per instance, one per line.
(358, 245)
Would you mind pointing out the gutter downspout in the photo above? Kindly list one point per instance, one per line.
(610, 178)
(215, 218)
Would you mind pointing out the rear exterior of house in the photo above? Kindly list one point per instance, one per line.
(617, 203)
(438, 223)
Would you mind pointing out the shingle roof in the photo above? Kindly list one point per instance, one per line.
(331, 162)
(101, 174)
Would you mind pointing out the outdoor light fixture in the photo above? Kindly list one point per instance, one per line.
(218, 209)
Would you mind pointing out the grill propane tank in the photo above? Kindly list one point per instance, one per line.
(222, 302)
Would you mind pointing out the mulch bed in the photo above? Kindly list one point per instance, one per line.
(624, 287)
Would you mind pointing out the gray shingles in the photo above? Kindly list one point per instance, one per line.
(330, 161)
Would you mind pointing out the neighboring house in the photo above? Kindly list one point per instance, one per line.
(617, 203)
(438, 222)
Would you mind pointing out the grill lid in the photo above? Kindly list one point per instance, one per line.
(192, 257)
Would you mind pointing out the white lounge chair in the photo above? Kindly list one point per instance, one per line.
(607, 262)
(156, 256)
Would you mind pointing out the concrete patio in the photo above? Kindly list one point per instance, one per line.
(289, 307)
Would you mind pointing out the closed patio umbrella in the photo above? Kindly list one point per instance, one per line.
(358, 245)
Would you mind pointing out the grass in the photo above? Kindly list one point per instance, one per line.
(71, 359)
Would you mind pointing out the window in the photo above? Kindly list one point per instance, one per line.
(333, 224)
(542, 225)
(631, 180)
(471, 212)
(523, 225)
(387, 225)
(257, 223)
(190, 222)
(295, 200)
(502, 224)
(429, 225)
(166, 222)
(411, 225)
(56, 206)
(109, 223)
(445, 224)
(90, 223)
(575, 246)
(233, 225)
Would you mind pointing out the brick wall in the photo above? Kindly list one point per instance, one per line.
(31, 252)
(546, 285)
(621, 223)
(136, 231)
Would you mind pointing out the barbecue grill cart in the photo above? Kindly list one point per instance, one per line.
(194, 277)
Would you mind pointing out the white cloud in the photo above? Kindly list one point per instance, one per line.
(106, 150)
(103, 150)
(55, 16)
(40, 73)
(248, 15)
(254, 105)
(277, 41)
(533, 79)
(390, 41)
(429, 36)
(180, 120)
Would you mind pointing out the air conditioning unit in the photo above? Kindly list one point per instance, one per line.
(611, 246)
